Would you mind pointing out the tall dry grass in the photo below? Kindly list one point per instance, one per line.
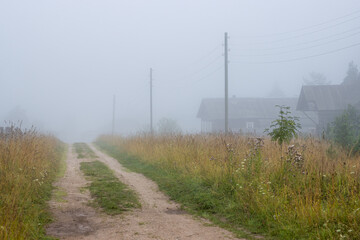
(309, 189)
(28, 164)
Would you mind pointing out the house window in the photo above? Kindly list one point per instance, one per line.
(249, 125)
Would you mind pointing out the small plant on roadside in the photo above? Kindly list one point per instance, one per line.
(285, 128)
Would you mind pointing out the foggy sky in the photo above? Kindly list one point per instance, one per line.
(61, 61)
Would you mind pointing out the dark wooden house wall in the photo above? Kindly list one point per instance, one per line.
(326, 118)
(259, 126)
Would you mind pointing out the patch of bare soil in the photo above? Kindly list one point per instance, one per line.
(159, 218)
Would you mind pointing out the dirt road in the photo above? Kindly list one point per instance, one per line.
(159, 218)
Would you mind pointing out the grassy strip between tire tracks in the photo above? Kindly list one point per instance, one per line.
(194, 194)
(109, 193)
(84, 151)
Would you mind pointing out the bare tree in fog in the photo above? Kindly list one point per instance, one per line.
(316, 78)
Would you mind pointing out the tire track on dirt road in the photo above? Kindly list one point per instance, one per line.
(73, 217)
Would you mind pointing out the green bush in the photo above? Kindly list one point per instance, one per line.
(345, 130)
(285, 127)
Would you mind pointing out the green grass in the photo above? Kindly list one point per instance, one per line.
(59, 194)
(195, 194)
(62, 163)
(84, 151)
(108, 192)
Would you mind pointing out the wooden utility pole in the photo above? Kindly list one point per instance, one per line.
(113, 117)
(226, 84)
(151, 107)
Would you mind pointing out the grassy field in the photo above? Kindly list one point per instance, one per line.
(108, 192)
(309, 189)
(84, 151)
(29, 163)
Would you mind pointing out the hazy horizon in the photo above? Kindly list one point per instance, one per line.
(61, 62)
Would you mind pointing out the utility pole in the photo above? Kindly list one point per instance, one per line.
(151, 107)
(226, 84)
(113, 117)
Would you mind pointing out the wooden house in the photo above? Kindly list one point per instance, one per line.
(248, 115)
(328, 101)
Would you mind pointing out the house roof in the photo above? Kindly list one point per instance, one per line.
(328, 97)
(264, 108)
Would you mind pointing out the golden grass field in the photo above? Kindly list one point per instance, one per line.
(29, 162)
(308, 189)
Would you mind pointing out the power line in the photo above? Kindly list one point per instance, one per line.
(301, 43)
(211, 73)
(196, 72)
(207, 54)
(302, 58)
(302, 35)
(204, 67)
(310, 27)
(197, 80)
(295, 50)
